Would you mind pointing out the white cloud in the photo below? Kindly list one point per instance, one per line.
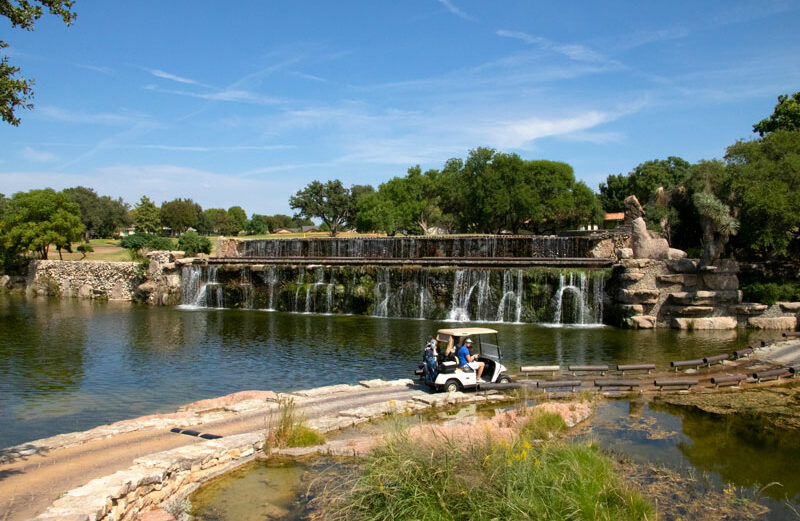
(455, 10)
(167, 76)
(38, 156)
(233, 95)
(572, 51)
(91, 118)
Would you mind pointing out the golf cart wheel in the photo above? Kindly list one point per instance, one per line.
(452, 386)
(504, 379)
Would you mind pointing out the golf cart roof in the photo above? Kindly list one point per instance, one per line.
(467, 331)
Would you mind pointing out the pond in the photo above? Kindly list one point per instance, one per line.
(716, 454)
(69, 365)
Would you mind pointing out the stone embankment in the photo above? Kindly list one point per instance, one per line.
(83, 279)
(157, 480)
(681, 294)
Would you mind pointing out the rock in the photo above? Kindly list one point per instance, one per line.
(638, 296)
(85, 291)
(691, 370)
(5, 282)
(185, 262)
(603, 249)
(678, 278)
(147, 287)
(748, 308)
(624, 253)
(228, 400)
(632, 309)
(790, 307)
(643, 321)
(721, 281)
(727, 266)
(772, 322)
(636, 263)
(173, 280)
(682, 266)
(691, 311)
(675, 254)
(704, 298)
(645, 246)
(155, 515)
(177, 254)
(631, 276)
(704, 323)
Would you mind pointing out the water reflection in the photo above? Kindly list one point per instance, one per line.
(71, 365)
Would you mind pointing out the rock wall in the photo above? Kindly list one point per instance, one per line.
(681, 294)
(162, 286)
(83, 279)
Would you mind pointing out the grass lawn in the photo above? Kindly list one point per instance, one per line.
(104, 250)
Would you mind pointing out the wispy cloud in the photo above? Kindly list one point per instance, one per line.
(234, 95)
(572, 51)
(90, 118)
(96, 68)
(172, 77)
(455, 10)
(38, 156)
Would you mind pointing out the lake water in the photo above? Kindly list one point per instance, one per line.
(69, 365)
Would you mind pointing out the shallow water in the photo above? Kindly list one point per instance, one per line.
(720, 452)
(69, 365)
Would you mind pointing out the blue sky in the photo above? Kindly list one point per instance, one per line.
(246, 102)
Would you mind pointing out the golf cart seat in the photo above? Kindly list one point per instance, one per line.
(448, 367)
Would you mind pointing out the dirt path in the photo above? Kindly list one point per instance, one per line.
(30, 485)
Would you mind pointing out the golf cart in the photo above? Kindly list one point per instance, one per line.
(439, 368)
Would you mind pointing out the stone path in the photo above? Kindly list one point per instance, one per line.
(34, 475)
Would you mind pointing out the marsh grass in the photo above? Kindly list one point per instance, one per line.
(450, 479)
(288, 429)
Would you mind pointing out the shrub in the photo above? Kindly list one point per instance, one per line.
(139, 241)
(289, 429)
(192, 244)
(486, 480)
(771, 292)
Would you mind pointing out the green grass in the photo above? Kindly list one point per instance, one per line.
(288, 429)
(491, 480)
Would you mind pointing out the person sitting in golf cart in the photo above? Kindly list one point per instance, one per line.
(469, 360)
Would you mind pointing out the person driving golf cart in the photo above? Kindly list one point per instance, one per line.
(466, 359)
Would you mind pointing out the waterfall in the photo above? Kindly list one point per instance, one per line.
(383, 293)
(246, 283)
(193, 288)
(300, 281)
(574, 304)
(272, 281)
(511, 294)
(464, 285)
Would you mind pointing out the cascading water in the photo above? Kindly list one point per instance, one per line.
(574, 304)
(510, 295)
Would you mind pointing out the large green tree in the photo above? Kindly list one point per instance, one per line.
(331, 202)
(220, 221)
(101, 216)
(238, 218)
(37, 219)
(147, 216)
(786, 116)
(16, 91)
(765, 187)
(180, 215)
(643, 182)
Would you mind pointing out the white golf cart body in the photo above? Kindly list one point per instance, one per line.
(484, 344)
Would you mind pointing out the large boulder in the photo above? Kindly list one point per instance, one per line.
(772, 322)
(704, 323)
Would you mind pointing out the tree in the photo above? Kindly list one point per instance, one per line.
(785, 117)
(238, 218)
(180, 214)
(643, 181)
(331, 202)
(16, 92)
(220, 221)
(765, 188)
(260, 224)
(192, 244)
(147, 216)
(36, 219)
(101, 216)
(717, 223)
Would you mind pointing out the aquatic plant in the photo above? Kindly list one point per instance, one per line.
(288, 429)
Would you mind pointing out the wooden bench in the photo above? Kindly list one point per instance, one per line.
(673, 383)
(559, 384)
(602, 369)
(742, 353)
(716, 358)
(728, 379)
(776, 373)
(635, 367)
(686, 363)
(613, 382)
(528, 370)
